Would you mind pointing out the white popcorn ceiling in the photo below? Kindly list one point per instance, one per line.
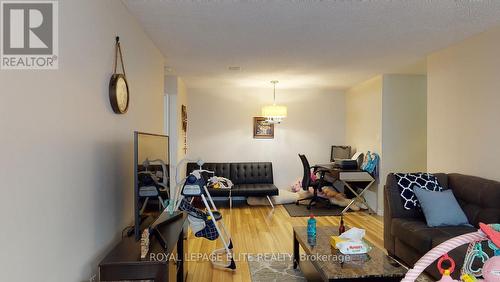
(330, 44)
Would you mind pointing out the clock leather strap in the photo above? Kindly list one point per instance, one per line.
(118, 51)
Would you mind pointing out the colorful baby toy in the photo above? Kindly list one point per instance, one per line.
(446, 272)
(491, 269)
(490, 272)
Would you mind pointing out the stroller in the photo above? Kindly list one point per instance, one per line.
(207, 224)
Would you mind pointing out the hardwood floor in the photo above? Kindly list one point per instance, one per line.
(263, 230)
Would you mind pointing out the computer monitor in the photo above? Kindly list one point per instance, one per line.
(340, 152)
(151, 174)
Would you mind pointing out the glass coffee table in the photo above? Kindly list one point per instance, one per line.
(322, 262)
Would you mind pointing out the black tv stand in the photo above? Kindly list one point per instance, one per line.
(146, 220)
(124, 261)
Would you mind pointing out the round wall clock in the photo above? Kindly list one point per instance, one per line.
(119, 95)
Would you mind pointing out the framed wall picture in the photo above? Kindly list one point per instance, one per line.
(262, 129)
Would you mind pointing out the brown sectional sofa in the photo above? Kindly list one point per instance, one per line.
(406, 234)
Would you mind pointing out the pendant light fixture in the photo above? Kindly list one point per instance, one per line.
(274, 113)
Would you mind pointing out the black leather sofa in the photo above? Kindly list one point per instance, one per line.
(406, 234)
(249, 178)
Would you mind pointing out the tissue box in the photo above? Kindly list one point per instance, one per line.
(334, 240)
(350, 242)
(352, 247)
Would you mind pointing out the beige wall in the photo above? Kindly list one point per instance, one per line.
(404, 125)
(67, 159)
(221, 127)
(404, 122)
(463, 107)
(364, 123)
(177, 96)
(387, 115)
(364, 116)
(182, 99)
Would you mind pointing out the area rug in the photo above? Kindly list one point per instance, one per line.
(320, 209)
(274, 270)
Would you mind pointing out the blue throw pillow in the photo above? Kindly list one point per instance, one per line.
(440, 208)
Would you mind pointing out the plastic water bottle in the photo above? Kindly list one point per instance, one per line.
(311, 230)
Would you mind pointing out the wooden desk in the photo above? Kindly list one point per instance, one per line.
(124, 262)
(347, 176)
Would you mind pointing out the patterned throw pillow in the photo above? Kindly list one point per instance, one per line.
(406, 182)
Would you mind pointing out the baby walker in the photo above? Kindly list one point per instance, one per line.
(491, 266)
(207, 224)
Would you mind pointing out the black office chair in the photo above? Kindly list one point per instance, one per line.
(317, 185)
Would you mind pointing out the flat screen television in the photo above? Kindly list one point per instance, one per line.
(151, 178)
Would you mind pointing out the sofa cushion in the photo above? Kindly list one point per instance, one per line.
(406, 253)
(477, 196)
(449, 232)
(217, 192)
(414, 233)
(407, 183)
(440, 208)
(254, 190)
(250, 173)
